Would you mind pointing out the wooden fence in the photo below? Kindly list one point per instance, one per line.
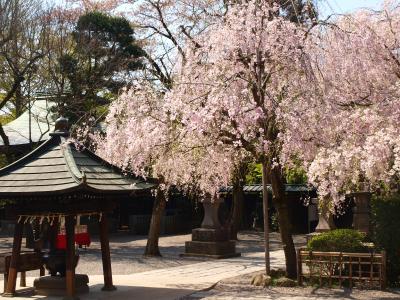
(340, 267)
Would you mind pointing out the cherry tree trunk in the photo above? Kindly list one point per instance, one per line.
(18, 101)
(152, 248)
(236, 215)
(7, 151)
(285, 226)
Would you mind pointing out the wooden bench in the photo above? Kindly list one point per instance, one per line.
(28, 261)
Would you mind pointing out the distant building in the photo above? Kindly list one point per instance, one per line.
(30, 128)
(301, 213)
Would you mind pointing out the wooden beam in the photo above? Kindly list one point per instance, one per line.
(48, 209)
(70, 207)
(70, 258)
(105, 254)
(13, 270)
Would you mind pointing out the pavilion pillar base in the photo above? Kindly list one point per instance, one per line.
(56, 286)
(211, 243)
(108, 288)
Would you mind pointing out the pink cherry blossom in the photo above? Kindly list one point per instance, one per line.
(348, 132)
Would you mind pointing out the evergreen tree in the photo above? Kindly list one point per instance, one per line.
(102, 61)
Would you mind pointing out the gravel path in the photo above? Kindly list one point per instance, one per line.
(126, 254)
(239, 288)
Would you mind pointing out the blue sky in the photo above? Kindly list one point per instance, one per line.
(328, 7)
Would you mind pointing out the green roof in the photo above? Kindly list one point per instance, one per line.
(257, 188)
(58, 167)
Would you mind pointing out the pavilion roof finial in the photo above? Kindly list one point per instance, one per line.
(61, 127)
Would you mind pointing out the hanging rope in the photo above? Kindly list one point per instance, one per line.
(58, 216)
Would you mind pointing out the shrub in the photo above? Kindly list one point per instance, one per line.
(339, 240)
(386, 232)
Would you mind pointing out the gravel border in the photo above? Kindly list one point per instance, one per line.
(240, 288)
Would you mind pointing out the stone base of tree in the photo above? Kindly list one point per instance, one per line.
(56, 285)
(212, 243)
(261, 280)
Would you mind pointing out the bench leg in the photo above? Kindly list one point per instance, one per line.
(22, 282)
(5, 281)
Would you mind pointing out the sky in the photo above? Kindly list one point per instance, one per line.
(328, 7)
(338, 6)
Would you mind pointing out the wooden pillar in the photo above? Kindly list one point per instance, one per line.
(105, 254)
(266, 217)
(299, 268)
(13, 270)
(70, 258)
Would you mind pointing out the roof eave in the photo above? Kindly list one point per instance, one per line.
(82, 188)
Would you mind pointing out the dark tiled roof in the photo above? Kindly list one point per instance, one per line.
(257, 188)
(58, 167)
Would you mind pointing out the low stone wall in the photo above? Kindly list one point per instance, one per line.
(93, 224)
(140, 224)
(7, 227)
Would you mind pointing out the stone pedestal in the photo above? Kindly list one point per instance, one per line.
(213, 243)
(361, 212)
(211, 240)
(325, 223)
(325, 218)
(56, 285)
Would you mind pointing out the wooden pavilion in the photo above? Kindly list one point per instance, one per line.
(58, 181)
